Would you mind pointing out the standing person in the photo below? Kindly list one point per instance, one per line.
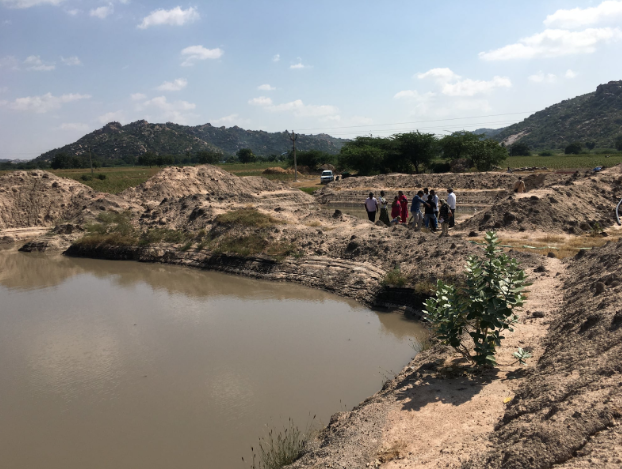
(434, 198)
(415, 209)
(451, 201)
(425, 195)
(371, 205)
(445, 215)
(384, 210)
(520, 185)
(395, 209)
(404, 204)
(429, 217)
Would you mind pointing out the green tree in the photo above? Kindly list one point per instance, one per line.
(365, 159)
(619, 143)
(455, 146)
(146, 159)
(207, 157)
(245, 155)
(483, 309)
(590, 145)
(485, 154)
(311, 158)
(573, 149)
(413, 148)
(520, 149)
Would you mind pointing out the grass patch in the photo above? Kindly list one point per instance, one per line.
(111, 180)
(111, 229)
(308, 190)
(164, 235)
(394, 278)
(561, 246)
(280, 449)
(425, 287)
(561, 161)
(186, 246)
(248, 217)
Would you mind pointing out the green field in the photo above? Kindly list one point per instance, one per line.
(561, 161)
(117, 179)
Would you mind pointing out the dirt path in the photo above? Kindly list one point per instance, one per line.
(439, 422)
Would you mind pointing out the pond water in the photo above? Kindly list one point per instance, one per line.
(113, 364)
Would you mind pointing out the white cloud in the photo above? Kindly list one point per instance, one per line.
(175, 85)
(606, 12)
(231, 119)
(276, 57)
(261, 101)
(554, 43)
(45, 103)
(73, 12)
(300, 109)
(193, 54)
(116, 116)
(299, 66)
(266, 87)
(173, 17)
(29, 3)
(74, 127)
(138, 97)
(71, 60)
(570, 74)
(361, 120)
(35, 63)
(102, 12)
(542, 77)
(453, 84)
(469, 87)
(175, 111)
(4, 89)
(441, 75)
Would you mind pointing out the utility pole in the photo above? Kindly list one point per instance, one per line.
(293, 137)
(91, 161)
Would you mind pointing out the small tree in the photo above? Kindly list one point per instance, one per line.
(454, 146)
(485, 154)
(520, 149)
(590, 145)
(245, 155)
(619, 143)
(573, 149)
(483, 309)
(414, 148)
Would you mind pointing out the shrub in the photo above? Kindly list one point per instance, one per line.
(249, 217)
(113, 229)
(280, 449)
(86, 177)
(164, 235)
(186, 246)
(520, 149)
(545, 153)
(101, 177)
(394, 278)
(590, 145)
(618, 143)
(483, 309)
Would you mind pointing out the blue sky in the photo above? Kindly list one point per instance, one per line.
(347, 67)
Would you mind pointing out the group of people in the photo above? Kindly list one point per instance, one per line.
(426, 210)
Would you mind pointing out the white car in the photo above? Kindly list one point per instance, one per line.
(327, 176)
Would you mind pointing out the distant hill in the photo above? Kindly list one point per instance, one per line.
(595, 117)
(490, 133)
(116, 141)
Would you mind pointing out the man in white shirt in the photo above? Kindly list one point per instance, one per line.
(371, 205)
(451, 201)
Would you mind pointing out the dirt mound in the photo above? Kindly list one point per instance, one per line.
(277, 170)
(576, 207)
(209, 181)
(39, 198)
(568, 412)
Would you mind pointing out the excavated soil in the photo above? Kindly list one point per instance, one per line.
(562, 408)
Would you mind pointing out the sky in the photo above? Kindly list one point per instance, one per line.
(346, 67)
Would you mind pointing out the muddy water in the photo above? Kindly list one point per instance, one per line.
(110, 364)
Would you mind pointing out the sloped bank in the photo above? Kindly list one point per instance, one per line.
(360, 281)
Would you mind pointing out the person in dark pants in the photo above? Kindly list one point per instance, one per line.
(371, 205)
(451, 201)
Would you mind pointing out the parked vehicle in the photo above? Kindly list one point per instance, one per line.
(327, 176)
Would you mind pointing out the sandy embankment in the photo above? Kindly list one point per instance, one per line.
(437, 413)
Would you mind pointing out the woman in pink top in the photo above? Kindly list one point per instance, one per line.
(404, 204)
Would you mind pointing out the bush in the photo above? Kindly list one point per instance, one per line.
(394, 278)
(440, 167)
(618, 144)
(461, 165)
(590, 145)
(101, 177)
(545, 153)
(86, 177)
(481, 310)
(280, 449)
(249, 217)
(520, 149)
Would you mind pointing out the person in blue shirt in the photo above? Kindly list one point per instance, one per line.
(415, 209)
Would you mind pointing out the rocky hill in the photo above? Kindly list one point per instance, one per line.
(593, 117)
(116, 141)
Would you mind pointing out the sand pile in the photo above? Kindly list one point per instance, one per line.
(277, 170)
(568, 412)
(39, 198)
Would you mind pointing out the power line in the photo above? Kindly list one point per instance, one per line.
(461, 126)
